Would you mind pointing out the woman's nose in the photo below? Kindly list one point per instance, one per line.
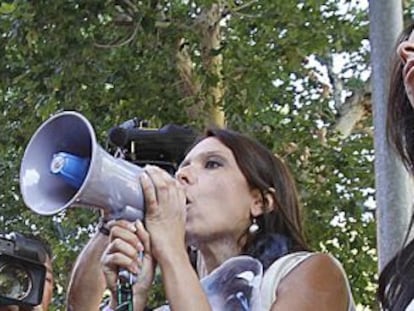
(406, 50)
(183, 175)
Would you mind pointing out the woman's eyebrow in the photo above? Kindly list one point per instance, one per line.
(214, 153)
(203, 155)
(184, 163)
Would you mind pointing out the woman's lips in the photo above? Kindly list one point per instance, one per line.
(187, 203)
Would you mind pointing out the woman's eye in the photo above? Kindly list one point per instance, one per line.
(212, 164)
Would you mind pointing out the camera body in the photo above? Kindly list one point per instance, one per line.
(22, 270)
(164, 147)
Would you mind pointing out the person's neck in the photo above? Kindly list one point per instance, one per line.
(215, 253)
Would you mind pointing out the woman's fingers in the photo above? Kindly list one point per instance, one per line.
(148, 188)
(118, 260)
(127, 225)
(129, 240)
(156, 184)
(160, 189)
(124, 247)
(126, 235)
(143, 236)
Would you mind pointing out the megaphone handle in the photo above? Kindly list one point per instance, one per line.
(124, 296)
(125, 299)
(126, 280)
(128, 277)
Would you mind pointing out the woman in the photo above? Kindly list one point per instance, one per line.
(396, 282)
(231, 197)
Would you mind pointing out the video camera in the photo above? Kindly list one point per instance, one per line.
(22, 270)
(164, 147)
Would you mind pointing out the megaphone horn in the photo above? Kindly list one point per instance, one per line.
(64, 166)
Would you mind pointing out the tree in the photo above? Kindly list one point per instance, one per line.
(264, 67)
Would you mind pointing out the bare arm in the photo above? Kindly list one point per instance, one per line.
(182, 286)
(316, 284)
(165, 221)
(87, 282)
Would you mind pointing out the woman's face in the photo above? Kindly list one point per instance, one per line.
(406, 52)
(219, 201)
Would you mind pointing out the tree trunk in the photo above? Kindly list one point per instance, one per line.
(353, 110)
(209, 30)
(393, 197)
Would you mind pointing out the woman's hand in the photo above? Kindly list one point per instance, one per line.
(127, 241)
(165, 202)
(165, 212)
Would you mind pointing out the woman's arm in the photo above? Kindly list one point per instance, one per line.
(182, 286)
(87, 282)
(316, 284)
(165, 221)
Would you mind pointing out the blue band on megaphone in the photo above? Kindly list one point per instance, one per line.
(71, 168)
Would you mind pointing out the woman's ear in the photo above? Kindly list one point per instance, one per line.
(262, 202)
(269, 198)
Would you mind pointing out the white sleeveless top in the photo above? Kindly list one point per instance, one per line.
(281, 268)
(410, 307)
(233, 280)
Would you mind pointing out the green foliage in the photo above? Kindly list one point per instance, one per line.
(113, 62)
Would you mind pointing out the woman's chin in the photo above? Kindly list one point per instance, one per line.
(191, 237)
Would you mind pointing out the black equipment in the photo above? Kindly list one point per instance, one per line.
(22, 270)
(164, 147)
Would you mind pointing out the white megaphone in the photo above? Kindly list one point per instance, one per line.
(64, 166)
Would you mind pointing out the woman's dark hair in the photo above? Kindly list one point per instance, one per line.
(396, 281)
(281, 226)
(400, 114)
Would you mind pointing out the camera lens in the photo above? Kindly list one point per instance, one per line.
(15, 281)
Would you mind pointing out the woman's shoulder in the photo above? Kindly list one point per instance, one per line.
(307, 271)
(307, 262)
(283, 265)
(313, 266)
(317, 267)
